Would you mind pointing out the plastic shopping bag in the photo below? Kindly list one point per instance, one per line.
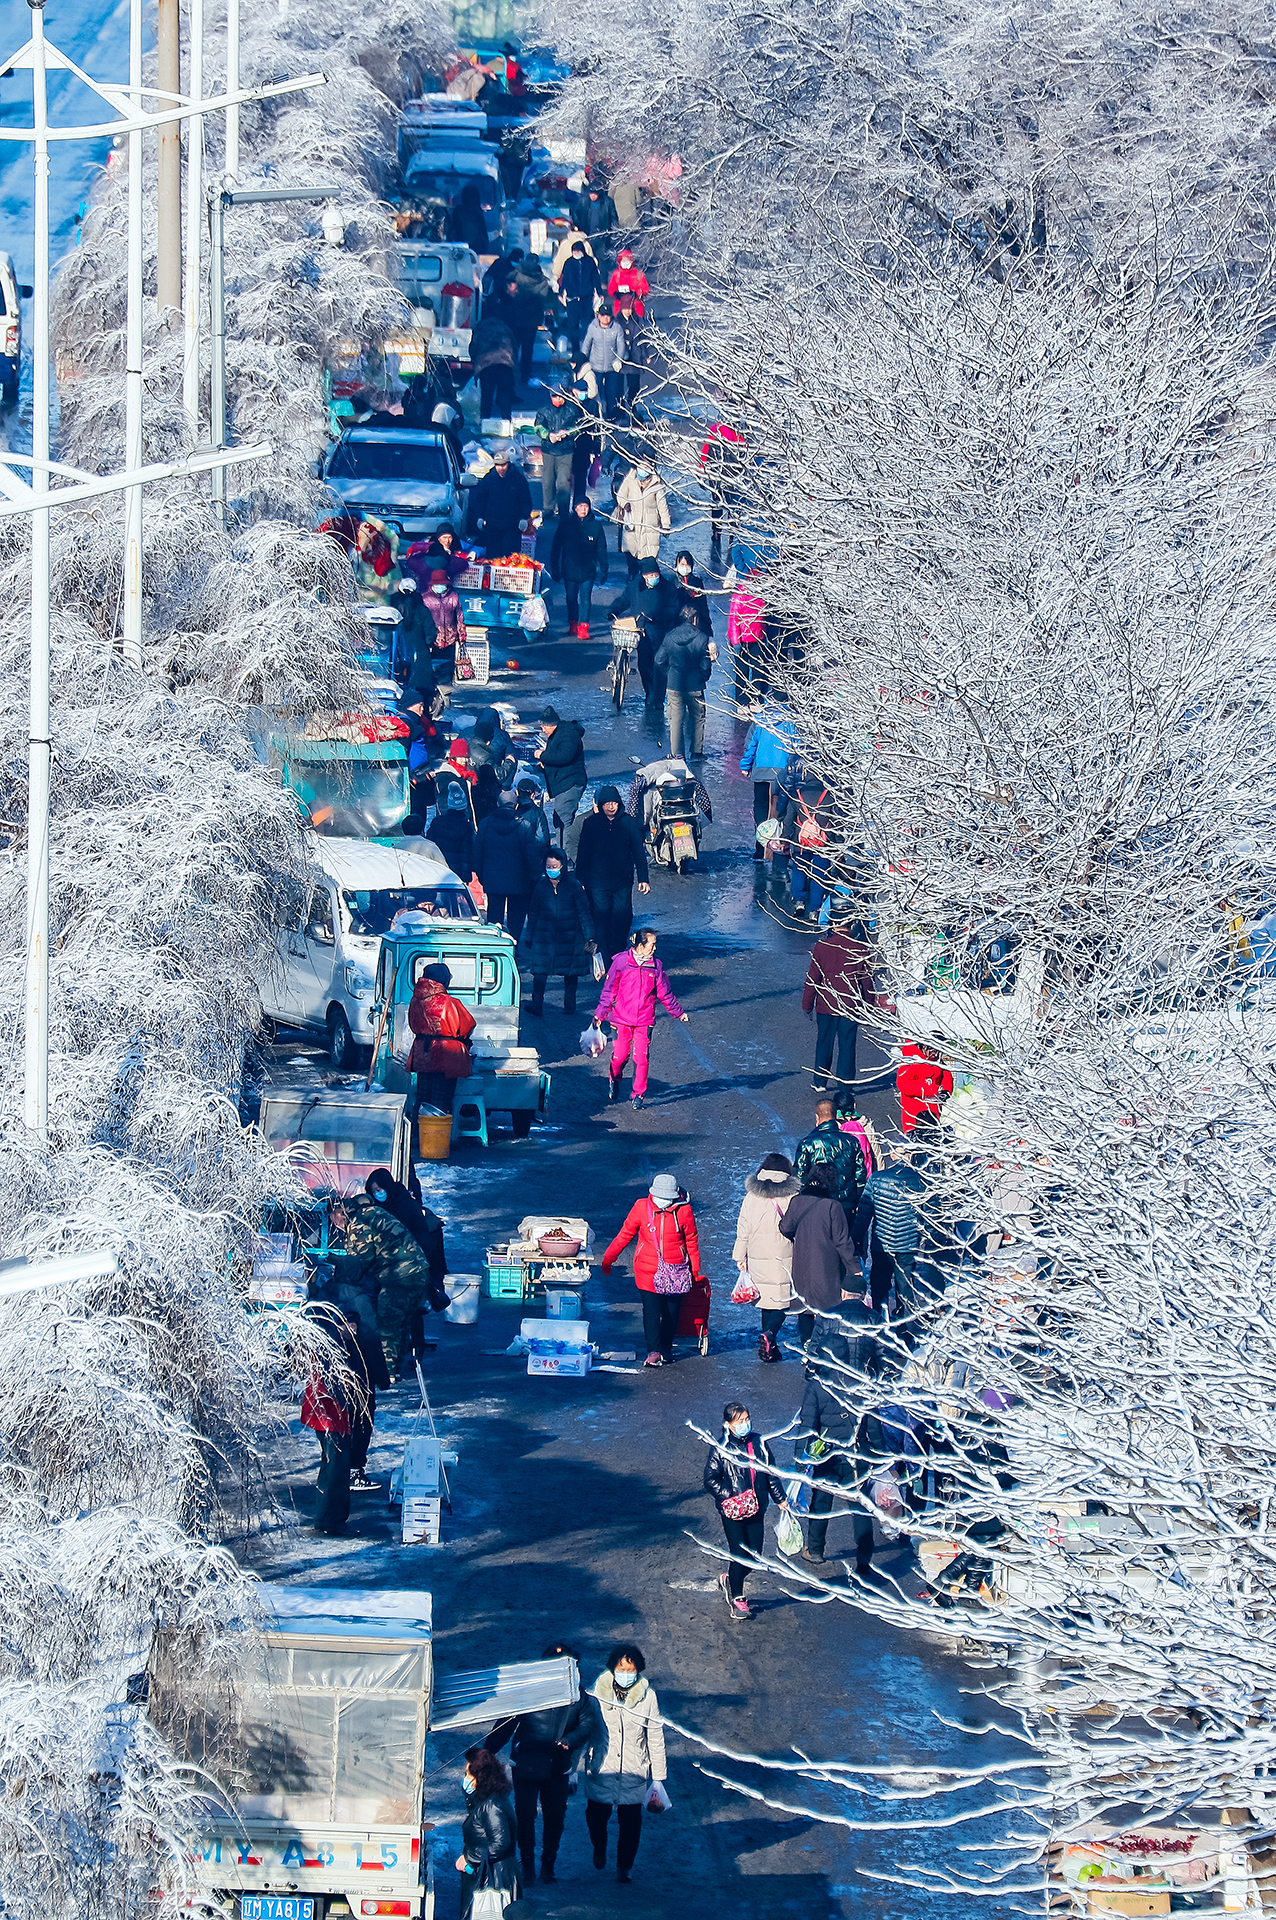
(533, 615)
(599, 966)
(593, 1042)
(658, 1800)
(788, 1534)
(744, 1293)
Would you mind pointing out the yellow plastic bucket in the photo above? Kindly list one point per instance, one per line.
(434, 1135)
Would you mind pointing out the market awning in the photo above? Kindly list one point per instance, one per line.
(493, 1693)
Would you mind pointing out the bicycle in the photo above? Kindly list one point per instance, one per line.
(624, 643)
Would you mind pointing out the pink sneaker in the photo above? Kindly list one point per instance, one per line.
(740, 1608)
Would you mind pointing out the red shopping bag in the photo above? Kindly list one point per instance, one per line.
(693, 1315)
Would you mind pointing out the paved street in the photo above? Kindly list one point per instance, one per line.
(578, 1504)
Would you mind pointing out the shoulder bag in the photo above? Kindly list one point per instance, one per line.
(671, 1276)
(743, 1506)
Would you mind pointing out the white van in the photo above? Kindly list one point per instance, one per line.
(325, 963)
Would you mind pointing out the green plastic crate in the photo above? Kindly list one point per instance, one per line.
(502, 1281)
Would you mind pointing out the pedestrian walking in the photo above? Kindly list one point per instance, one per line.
(488, 1857)
(508, 864)
(579, 558)
(530, 814)
(559, 424)
(452, 828)
(693, 600)
(825, 1271)
(326, 1408)
(722, 465)
(827, 1144)
(610, 857)
(761, 1252)
(768, 759)
(739, 1474)
(602, 349)
(838, 986)
(635, 982)
(666, 1261)
(467, 221)
(833, 1430)
(888, 1232)
(543, 1746)
(580, 288)
(684, 661)
(625, 1757)
(492, 355)
(630, 281)
(653, 601)
(501, 505)
(394, 1252)
(923, 1083)
(560, 933)
(643, 511)
(745, 628)
(524, 298)
(440, 1054)
(561, 756)
(593, 211)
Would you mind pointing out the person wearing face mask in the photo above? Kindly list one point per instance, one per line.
(560, 933)
(543, 1746)
(610, 856)
(625, 1754)
(666, 1262)
(642, 509)
(488, 1856)
(739, 1475)
(394, 1251)
(578, 558)
(603, 348)
(443, 609)
(440, 1053)
(452, 828)
(693, 600)
(635, 982)
(654, 604)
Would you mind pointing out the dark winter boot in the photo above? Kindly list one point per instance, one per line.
(773, 1348)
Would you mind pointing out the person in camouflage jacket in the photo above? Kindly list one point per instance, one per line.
(399, 1246)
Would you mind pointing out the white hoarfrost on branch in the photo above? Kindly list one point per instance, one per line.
(990, 302)
(137, 1408)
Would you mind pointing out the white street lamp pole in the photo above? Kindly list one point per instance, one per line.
(194, 214)
(133, 357)
(35, 1099)
(232, 87)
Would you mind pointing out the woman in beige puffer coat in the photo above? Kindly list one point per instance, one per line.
(761, 1251)
(625, 1754)
(643, 512)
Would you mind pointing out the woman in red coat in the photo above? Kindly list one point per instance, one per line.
(924, 1084)
(442, 1025)
(665, 1228)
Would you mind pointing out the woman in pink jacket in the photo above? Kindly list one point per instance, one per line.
(635, 981)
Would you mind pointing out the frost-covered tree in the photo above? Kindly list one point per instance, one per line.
(136, 1409)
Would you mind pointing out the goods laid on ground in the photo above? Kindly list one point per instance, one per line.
(558, 1347)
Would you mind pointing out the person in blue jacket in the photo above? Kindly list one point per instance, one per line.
(770, 756)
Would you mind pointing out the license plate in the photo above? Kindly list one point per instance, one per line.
(681, 832)
(265, 1906)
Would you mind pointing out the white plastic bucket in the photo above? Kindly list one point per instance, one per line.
(462, 1309)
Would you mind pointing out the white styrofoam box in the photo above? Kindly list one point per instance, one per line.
(422, 1521)
(563, 1333)
(421, 1466)
(561, 1304)
(569, 1365)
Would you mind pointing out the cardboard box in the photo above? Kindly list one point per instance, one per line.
(570, 1365)
(520, 581)
(1127, 1898)
(473, 580)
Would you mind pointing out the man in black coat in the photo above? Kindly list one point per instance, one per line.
(508, 864)
(578, 557)
(579, 284)
(543, 1747)
(653, 601)
(562, 758)
(501, 505)
(524, 298)
(560, 932)
(609, 857)
(594, 211)
(452, 831)
(683, 657)
(833, 1430)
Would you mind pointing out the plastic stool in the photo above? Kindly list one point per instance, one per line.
(469, 1099)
